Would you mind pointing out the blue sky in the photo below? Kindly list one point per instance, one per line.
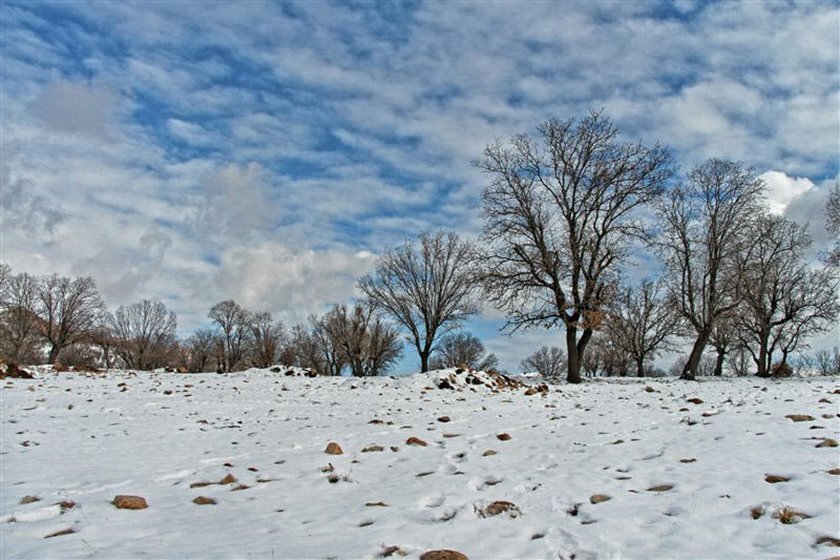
(267, 152)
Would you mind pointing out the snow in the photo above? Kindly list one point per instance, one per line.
(89, 437)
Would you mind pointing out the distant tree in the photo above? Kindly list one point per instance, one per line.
(832, 224)
(364, 342)
(144, 335)
(827, 362)
(306, 349)
(785, 300)
(606, 358)
(560, 212)
(427, 287)
(462, 350)
(68, 311)
(103, 337)
(550, 361)
(199, 350)
(267, 338)
(706, 229)
(19, 328)
(641, 322)
(725, 339)
(234, 324)
(5, 275)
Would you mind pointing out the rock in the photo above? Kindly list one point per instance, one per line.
(660, 488)
(828, 540)
(201, 484)
(416, 441)
(129, 502)
(827, 442)
(503, 437)
(774, 478)
(834, 471)
(444, 419)
(800, 417)
(204, 501)
(649, 389)
(695, 400)
(389, 551)
(373, 448)
(499, 507)
(617, 442)
(488, 453)
(598, 498)
(443, 554)
(789, 516)
(689, 460)
(239, 487)
(376, 504)
(66, 505)
(333, 449)
(29, 499)
(228, 479)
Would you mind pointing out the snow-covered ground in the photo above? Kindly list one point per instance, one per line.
(71, 437)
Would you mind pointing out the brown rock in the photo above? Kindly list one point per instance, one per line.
(373, 448)
(129, 502)
(660, 488)
(598, 498)
(228, 479)
(239, 487)
(389, 551)
(800, 417)
(204, 501)
(689, 460)
(488, 453)
(827, 442)
(499, 507)
(376, 504)
(201, 484)
(503, 437)
(333, 449)
(828, 540)
(695, 400)
(29, 499)
(774, 478)
(68, 531)
(416, 441)
(443, 554)
(834, 471)
(444, 419)
(650, 389)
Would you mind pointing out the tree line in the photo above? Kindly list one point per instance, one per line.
(565, 208)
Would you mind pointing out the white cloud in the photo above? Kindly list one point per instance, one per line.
(782, 189)
(77, 108)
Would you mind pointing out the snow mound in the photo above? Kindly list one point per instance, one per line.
(461, 379)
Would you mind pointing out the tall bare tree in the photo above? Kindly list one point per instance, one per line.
(367, 344)
(67, 310)
(640, 322)
(18, 322)
(463, 350)
(550, 361)
(427, 287)
(198, 351)
(144, 334)
(266, 340)
(559, 215)
(706, 222)
(785, 300)
(234, 324)
(319, 350)
(832, 224)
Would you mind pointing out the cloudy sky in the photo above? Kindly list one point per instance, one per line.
(195, 151)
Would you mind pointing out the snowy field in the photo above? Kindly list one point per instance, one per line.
(680, 468)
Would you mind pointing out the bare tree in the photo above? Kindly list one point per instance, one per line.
(641, 322)
(319, 347)
(426, 287)
(559, 215)
(266, 340)
(550, 361)
(199, 349)
(19, 327)
(786, 301)
(463, 350)
(725, 340)
(832, 224)
(705, 226)
(367, 344)
(606, 358)
(827, 362)
(67, 310)
(234, 324)
(144, 334)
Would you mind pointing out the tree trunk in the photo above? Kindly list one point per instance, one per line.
(721, 355)
(761, 362)
(640, 367)
(53, 355)
(691, 366)
(573, 362)
(424, 362)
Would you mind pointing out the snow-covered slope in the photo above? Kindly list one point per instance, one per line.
(684, 479)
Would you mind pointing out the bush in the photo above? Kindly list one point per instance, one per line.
(781, 369)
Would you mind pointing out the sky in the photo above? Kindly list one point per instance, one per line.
(195, 151)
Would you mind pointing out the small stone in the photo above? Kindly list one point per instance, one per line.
(649, 389)
(333, 449)
(499, 507)
(695, 400)
(65, 506)
(834, 471)
(800, 417)
(204, 501)
(774, 478)
(129, 502)
(444, 419)
(201, 484)
(488, 453)
(389, 551)
(617, 442)
(443, 554)
(503, 437)
(828, 540)
(373, 448)
(228, 479)
(239, 487)
(416, 441)
(688, 460)
(598, 498)
(376, 504)
(828, 442)
(68, 531)
(29, 499)
(660, 488)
